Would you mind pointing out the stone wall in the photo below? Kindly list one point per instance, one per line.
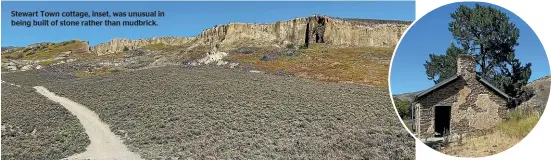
(474, 107)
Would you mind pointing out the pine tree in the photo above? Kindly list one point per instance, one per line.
(487, 33)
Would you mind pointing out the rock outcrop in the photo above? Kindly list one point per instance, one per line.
(120, 44)
(299, 31)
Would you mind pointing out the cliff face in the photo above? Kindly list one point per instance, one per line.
(341, 32)
(299, 31)
(118, 45)
(282, 32)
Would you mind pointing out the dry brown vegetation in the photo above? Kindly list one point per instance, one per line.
(47, 50)
(497, 140)
(364, 65)
(203, 112)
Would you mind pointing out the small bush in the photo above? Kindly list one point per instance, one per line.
(271, 56)
(303, 46)
(403, 108)
(525, 94)
(290, 46)
(245, 50)
(125, 48)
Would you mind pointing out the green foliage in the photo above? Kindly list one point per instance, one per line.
(303, 46)
(403, 109)
(48, 62)
(442, 67)
(290, 46)
(487, 33)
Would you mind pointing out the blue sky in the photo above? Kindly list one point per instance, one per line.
(186, 18)
(431, 35)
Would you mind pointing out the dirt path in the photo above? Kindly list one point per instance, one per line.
(104, 144)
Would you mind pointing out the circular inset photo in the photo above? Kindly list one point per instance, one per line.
(470, 79)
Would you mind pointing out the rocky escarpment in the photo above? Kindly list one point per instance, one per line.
(299, 31)
(121, 44)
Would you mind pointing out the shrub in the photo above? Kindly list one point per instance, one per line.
(403, 108)
(125, 48)
(525, 94)
(290, 46)
(271, 56)
(245, 50)
(303, 46)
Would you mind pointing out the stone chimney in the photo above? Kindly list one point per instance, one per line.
(466, 66)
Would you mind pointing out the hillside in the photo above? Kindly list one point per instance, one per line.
(318, 47)
(207, 111)
(293, 89)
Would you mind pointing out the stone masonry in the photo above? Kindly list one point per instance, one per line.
(475, 105)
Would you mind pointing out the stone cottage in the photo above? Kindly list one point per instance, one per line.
(458, 105)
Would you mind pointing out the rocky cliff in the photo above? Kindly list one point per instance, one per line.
(119, 44)
(299, 31)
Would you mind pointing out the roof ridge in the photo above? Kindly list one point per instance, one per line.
(451, 79)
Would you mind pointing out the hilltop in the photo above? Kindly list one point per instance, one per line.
(316, 47)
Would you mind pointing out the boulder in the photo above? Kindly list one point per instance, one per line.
(25, 68)
(12, 68)
(270, 56)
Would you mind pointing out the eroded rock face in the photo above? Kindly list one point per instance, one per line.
(119, 45)
(299, 31)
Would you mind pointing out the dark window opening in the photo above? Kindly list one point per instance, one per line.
(442, 115)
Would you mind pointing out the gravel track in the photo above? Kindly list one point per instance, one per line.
(104, 144)
(207, 112)
(35, 128)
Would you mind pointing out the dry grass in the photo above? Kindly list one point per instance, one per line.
(47, 51)
(519, 127)
(364, 65)
(503, 137)
(98, 72)
(196, 53)
(481, 146)
(48, 62)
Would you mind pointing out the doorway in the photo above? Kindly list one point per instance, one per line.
(442, 115)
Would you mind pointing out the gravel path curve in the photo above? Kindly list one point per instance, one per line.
(104, 143)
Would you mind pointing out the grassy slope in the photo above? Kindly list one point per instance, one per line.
(364, 65)
(47, 51)
(199, 112)
(501, 138)
(36, 128)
